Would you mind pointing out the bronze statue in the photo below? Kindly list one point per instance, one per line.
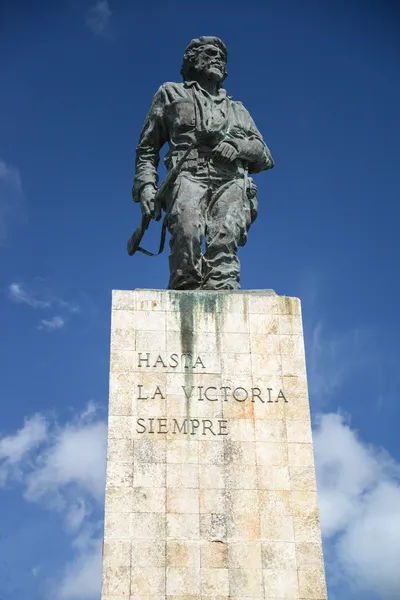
(207, 195)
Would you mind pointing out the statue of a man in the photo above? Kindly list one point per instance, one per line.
(211, 199)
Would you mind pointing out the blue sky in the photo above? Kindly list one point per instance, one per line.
(77, 78)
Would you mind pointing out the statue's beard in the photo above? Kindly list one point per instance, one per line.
(203, 69)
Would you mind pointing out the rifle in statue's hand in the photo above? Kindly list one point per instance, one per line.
(136, 237)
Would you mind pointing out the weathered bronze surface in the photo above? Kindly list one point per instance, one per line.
(209, 199)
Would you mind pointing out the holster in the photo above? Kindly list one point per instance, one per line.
(251, 193)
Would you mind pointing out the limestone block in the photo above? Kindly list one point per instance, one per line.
(182, 500)
(242, 430)
(214, 527)
(245, 555)
(146, 341)
(123, 320)
(213, 580)
(214, 555)
(290, 325)
(147, 525)
(183, 554)
(147, 320)
(123, 300)
(246, 582)
(148, 499)
(303, 479)
(116, 580)
(148, 553)
(212, 477)
(241, 477)
(264, 336)
(117, 526)
(178, 475)
(312, 585)
(278, 556)
(149, 451)
(270, 431)
(244, 526)
(119, 474)
(309, 557)
(120, 395)
(242, 501)
(120, 427)
(263, 325)
(182, 451)
(276, 502)
(277, 528)
(149, 475)
(183, 581)
(298, 432)
(147, 581)
(263, 303)
(307, 529)
(117, 553)
(300, 455)
(272, 454)
(281, 584)
(183, 526)
(119, 499)
(274, 478)
(212, 500)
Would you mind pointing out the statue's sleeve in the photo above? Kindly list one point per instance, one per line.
(152, 138)
(250, 144)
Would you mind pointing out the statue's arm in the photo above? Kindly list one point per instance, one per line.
(250, 144)
(152, 138)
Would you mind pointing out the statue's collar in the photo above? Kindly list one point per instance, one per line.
(195, 84)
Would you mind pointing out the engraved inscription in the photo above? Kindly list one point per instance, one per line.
(183, 426)
(172, 361)
(192, 426)
(212, 393)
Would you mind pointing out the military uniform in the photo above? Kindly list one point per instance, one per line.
(209, 200)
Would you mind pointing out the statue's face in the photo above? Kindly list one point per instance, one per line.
(210, 62)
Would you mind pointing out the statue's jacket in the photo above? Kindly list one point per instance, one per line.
(186, 116)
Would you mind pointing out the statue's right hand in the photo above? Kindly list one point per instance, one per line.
(147, 195)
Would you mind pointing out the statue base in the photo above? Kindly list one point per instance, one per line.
(210, 471)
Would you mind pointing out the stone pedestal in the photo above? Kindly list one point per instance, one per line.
(210, 473)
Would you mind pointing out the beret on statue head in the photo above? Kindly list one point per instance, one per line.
(207, 39)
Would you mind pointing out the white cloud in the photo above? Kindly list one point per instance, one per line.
(331, 358)
(62, 469)
(98, 17)
(39, 298)
(15, 448)
(10, 174)
(20, 295)
(76, 514)
(82, 576)
(75, 458)
(359, 496)
(56, 322)
(11, 197)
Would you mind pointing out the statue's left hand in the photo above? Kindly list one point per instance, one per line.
(225, 152)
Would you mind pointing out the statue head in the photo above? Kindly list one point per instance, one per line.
(205, 56)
